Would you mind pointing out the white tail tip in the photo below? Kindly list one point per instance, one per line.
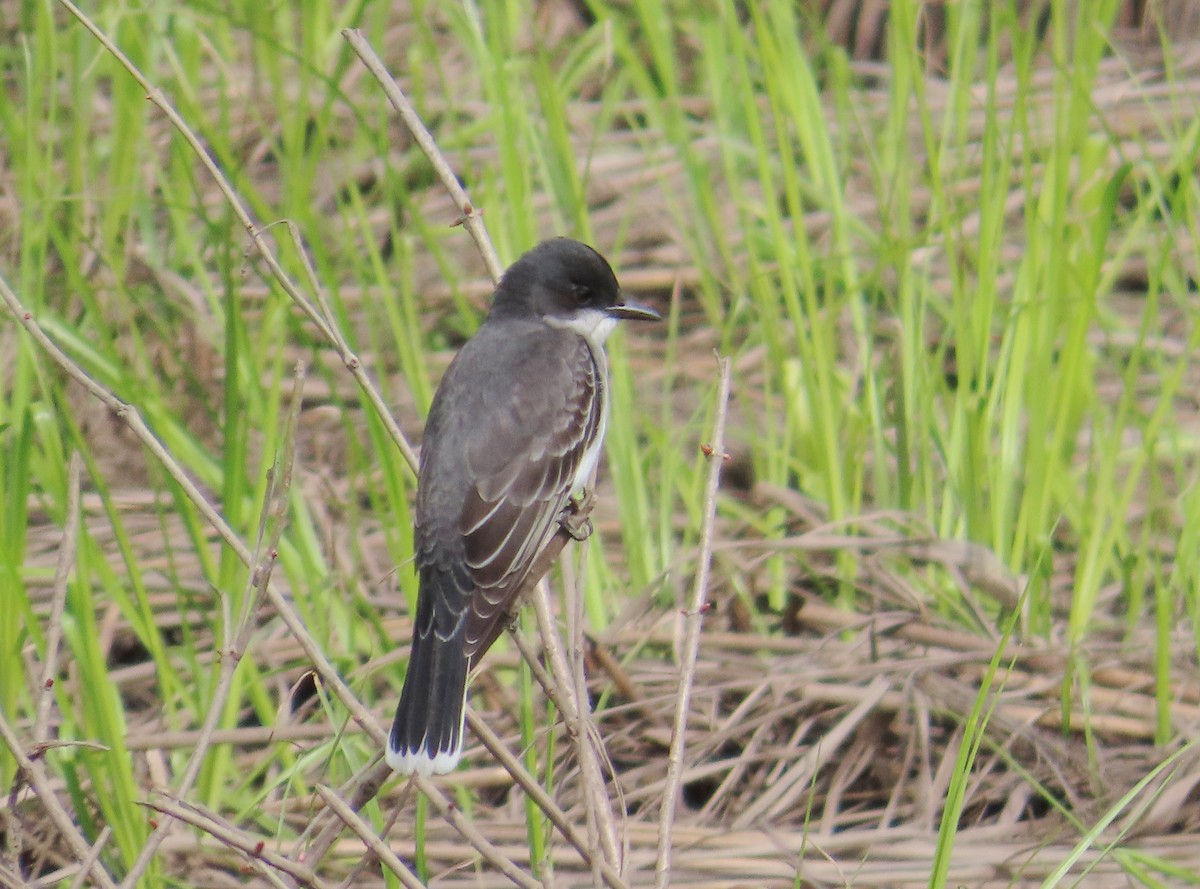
(406, 762)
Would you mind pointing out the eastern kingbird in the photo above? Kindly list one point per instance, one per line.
(514, 431)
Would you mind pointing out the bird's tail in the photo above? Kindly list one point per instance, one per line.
(427, 734)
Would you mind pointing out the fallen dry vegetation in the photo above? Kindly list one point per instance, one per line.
(823, 750)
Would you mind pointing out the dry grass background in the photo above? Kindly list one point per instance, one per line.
(821, 741)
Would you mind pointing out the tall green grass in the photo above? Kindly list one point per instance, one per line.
(912, 360)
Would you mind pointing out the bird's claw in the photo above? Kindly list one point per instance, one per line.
(576, 516)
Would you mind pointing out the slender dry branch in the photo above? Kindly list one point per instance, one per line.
(85, 866)
(254, 848)
(530, 655)
(487, 850)
(238, 631)
(694, 620)
(541, 799)
(582, 729)
(316, 841)
(322, 319)
(36, 775)
(363, 788)
(589, 745)
(378, 847)
(62, 573)
(472, 218)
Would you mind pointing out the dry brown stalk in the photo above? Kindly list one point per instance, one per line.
(693, 620)
(254, 849)
(62, 572)
(35, 775)
(378, 847)
(321, 317)
(239, 628)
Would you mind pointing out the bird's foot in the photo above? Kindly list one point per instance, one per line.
(576, 516)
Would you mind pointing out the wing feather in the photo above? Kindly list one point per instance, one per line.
(522, 474)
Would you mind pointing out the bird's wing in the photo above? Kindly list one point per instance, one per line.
(522, 472)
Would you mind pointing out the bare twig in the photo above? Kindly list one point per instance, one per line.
(589, 744)
(36, 775)
(238, 630)
(62, 572)
(358, 791)
(541, 799)
(320, 317)
(592, 781)
(472, 219)
(367, 785)
(378, 847)
(693, 622)
(485, 847)
(85, 866)
(254, 848)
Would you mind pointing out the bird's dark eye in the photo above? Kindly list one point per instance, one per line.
(582, 293)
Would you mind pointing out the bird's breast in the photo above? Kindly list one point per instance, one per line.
(591, 454)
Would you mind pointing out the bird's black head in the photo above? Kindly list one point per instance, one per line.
(568, 284)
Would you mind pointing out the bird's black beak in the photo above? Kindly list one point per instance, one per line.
(631, 310)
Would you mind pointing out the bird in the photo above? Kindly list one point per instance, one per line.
(513, 434)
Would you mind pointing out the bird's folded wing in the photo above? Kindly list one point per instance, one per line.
(522, 471)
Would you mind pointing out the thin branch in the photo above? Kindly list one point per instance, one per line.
(85, 866)
(325, 829)
(694, 620)
(62, 574)
(529, 654)
(469, 832)
(324, 321)
(366, 786)
(36, 775)
(472, 219)
(589, 746)
(272, 518)
(378, 847)
(254, 848)
(580, 727)
(541, 799)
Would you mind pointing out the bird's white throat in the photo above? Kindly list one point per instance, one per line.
(594, 325)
